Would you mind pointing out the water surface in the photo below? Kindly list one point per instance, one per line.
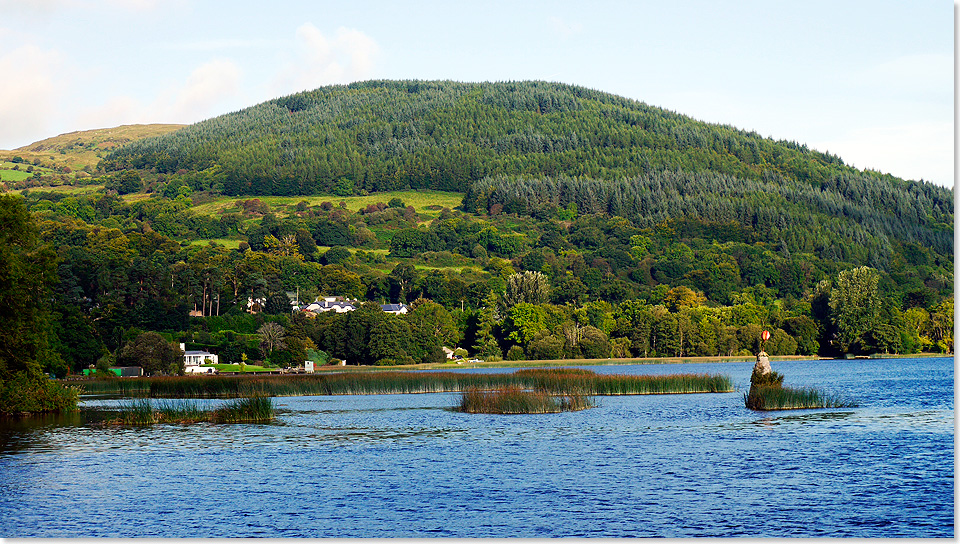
(409, 466)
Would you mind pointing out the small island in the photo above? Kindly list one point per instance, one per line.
(768, 393)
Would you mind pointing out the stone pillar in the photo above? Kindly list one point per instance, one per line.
(762, 366)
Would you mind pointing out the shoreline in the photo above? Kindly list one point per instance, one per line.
(611, 362)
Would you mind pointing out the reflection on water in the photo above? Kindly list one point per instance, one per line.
(409, 466)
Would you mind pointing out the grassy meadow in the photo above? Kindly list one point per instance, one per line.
(83, 148)
(424, 202)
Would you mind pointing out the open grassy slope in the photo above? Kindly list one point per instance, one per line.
(83, 148)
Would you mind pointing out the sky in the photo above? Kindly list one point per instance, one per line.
(869, 80)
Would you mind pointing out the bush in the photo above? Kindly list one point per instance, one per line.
(26, 392)
(515, 353)
(770, 378)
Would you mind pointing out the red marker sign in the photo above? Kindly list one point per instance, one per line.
(765, 335)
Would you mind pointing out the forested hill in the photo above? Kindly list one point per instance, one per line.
(532, 147)
(385, 135)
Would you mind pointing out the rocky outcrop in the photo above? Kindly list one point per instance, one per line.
(762, 366)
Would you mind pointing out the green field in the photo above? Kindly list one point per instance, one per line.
(229, 243)
(424, 202)
(7, 172)
(14, 175)
(68, 189)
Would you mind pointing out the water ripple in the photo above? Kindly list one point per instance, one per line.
(408, 466)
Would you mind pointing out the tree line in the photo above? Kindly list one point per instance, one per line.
(513, 285)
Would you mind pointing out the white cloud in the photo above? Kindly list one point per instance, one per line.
(29, 94)
(208, 86)
(206, 93)
(349, 55)
(910, 151)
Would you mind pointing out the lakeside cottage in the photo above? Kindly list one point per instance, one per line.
(336, 306)
(395, 309)
(341, 305)
(194, 358)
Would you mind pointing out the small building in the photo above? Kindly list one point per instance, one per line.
(121, 371)
(198, 357)
(200, 370)
(395, 309)
(337, 306)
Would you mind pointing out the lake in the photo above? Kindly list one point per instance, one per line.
(408, 466)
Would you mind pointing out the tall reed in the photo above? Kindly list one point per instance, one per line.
(557, 381)
(256, 409)
(590, 383)
(514, 400)
(775, 397)
(145, 412)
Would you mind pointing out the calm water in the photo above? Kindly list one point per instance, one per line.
(408, 466)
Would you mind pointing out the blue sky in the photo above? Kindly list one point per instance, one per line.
(871, 81)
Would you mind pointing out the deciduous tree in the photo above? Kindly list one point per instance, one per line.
(153, 353)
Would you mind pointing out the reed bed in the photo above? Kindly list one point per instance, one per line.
(515, 400)
(255, 409)
(586, 382)
(557, 381)
(774, 397)
(144, 412)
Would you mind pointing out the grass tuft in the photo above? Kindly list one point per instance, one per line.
(144, 412)
(256, 409)
(514, 400)
(776, 397)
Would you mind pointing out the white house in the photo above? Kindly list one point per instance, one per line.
(200, 370)
(197, 358)
(338, 306)
(395, 309)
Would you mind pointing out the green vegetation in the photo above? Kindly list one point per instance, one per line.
(386, 135)
(564, 380)
(27, 275)
(768, 393)
(554, 381)
(542, 222)
(514, 400)
(26, 393)
(256, 409)
(773, 397)
(73, 157)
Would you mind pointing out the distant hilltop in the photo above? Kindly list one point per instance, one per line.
(85, 148)
(388, 135)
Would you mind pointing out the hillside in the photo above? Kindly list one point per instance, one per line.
(384, 135)
(85, 148)
(571, 223)
(531, 148)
